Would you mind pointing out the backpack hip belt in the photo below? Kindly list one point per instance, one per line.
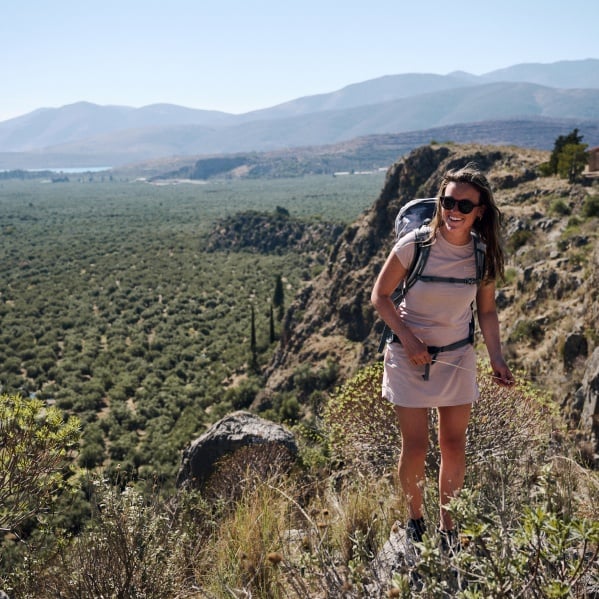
(435, 350)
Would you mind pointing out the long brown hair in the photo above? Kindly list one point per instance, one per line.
(488, 226)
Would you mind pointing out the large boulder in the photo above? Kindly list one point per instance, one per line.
(236, 431)
(587, 397)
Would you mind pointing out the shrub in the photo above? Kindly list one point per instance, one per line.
(560, 207)
(130, 548)
(526, 330)
(590, 207)
(536, 550)
(518, 239)
(361, 425)
(33, 454)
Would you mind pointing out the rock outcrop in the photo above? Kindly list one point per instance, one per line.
(224, 438)
(587, 399)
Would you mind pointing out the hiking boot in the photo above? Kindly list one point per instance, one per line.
(415, 530)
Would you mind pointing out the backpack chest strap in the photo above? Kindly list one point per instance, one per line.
(455, 280)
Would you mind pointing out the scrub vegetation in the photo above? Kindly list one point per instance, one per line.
(126, 332)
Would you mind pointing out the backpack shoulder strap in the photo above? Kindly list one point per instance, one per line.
(421, 252)
(480, 255)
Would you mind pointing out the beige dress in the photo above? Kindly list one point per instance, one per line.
(439, 314)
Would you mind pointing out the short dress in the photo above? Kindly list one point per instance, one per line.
(439, 314)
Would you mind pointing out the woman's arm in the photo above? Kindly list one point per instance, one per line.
(489, 326)
(391, 275)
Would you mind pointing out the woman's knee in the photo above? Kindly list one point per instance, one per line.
(452, 444)
(414, 448)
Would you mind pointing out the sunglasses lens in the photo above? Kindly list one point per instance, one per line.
(447, 202)
(464, 206)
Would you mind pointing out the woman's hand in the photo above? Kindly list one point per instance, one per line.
(502, 375)
(415, 349)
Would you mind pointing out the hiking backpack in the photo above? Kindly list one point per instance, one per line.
(418, 214)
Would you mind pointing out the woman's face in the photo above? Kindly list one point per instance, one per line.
(453, 218)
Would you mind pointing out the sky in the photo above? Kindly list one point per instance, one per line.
(241, 55)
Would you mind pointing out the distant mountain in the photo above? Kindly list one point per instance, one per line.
(567, 74)
(87, 134)
(83, 120)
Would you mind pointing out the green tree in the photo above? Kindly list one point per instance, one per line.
(571, 161)
(33, 453)
(253, 344)
(560, 143)
(271, 321)
(278, 298)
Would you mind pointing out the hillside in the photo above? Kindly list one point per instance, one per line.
(362, 153)
(549, 297)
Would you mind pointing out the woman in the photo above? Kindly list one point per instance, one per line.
(437, 314)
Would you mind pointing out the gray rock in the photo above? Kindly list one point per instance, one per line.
(589, 393)
(233, 432)
(575, 346)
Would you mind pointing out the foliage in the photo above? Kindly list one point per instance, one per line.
(536, 551)
(527, 517)
(111, 308)
(34, 451)
(130, 548)
(572, 161)
(526, 330)
(591, 207)
(560, 207)
(568, 158)
(518, 239)
(361, 425)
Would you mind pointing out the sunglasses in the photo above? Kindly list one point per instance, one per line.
(464, 206)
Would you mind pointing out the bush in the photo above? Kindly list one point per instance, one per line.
(527, 330)
(518, 239)
(590, 207)
(33, 454)
(560, 207)
(361, 425)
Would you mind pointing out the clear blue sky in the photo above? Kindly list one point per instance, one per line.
(236, 56)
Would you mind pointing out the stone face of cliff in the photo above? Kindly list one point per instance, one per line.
(550, 293)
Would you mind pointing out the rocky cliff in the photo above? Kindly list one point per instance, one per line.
(548, 304)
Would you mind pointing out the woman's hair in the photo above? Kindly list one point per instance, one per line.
(488, 226)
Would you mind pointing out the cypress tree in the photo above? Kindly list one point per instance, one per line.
(278, 298)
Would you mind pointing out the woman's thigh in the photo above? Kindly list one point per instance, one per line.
(413, 425)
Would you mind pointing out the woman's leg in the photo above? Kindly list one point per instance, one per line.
(413, 424)
(453, 422)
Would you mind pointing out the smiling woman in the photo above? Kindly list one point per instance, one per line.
(434, 317)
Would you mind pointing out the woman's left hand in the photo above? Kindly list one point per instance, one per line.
(502, 375)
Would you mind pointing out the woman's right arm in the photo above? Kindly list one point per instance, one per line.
(391, 275)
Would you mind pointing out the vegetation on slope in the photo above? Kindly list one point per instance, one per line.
(113, 310)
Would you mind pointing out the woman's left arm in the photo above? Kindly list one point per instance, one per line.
(489, 326)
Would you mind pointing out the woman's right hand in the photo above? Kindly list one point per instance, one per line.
(415, 349)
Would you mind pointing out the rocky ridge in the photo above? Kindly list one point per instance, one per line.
(548, 305)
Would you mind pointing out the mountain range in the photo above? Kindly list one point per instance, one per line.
(85, 134)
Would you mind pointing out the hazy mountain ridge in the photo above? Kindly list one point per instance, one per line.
(365, 153)
(84, 132)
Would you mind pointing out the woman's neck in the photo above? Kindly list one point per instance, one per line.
(461, 237)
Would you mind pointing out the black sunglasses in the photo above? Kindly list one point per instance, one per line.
(464, 206)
